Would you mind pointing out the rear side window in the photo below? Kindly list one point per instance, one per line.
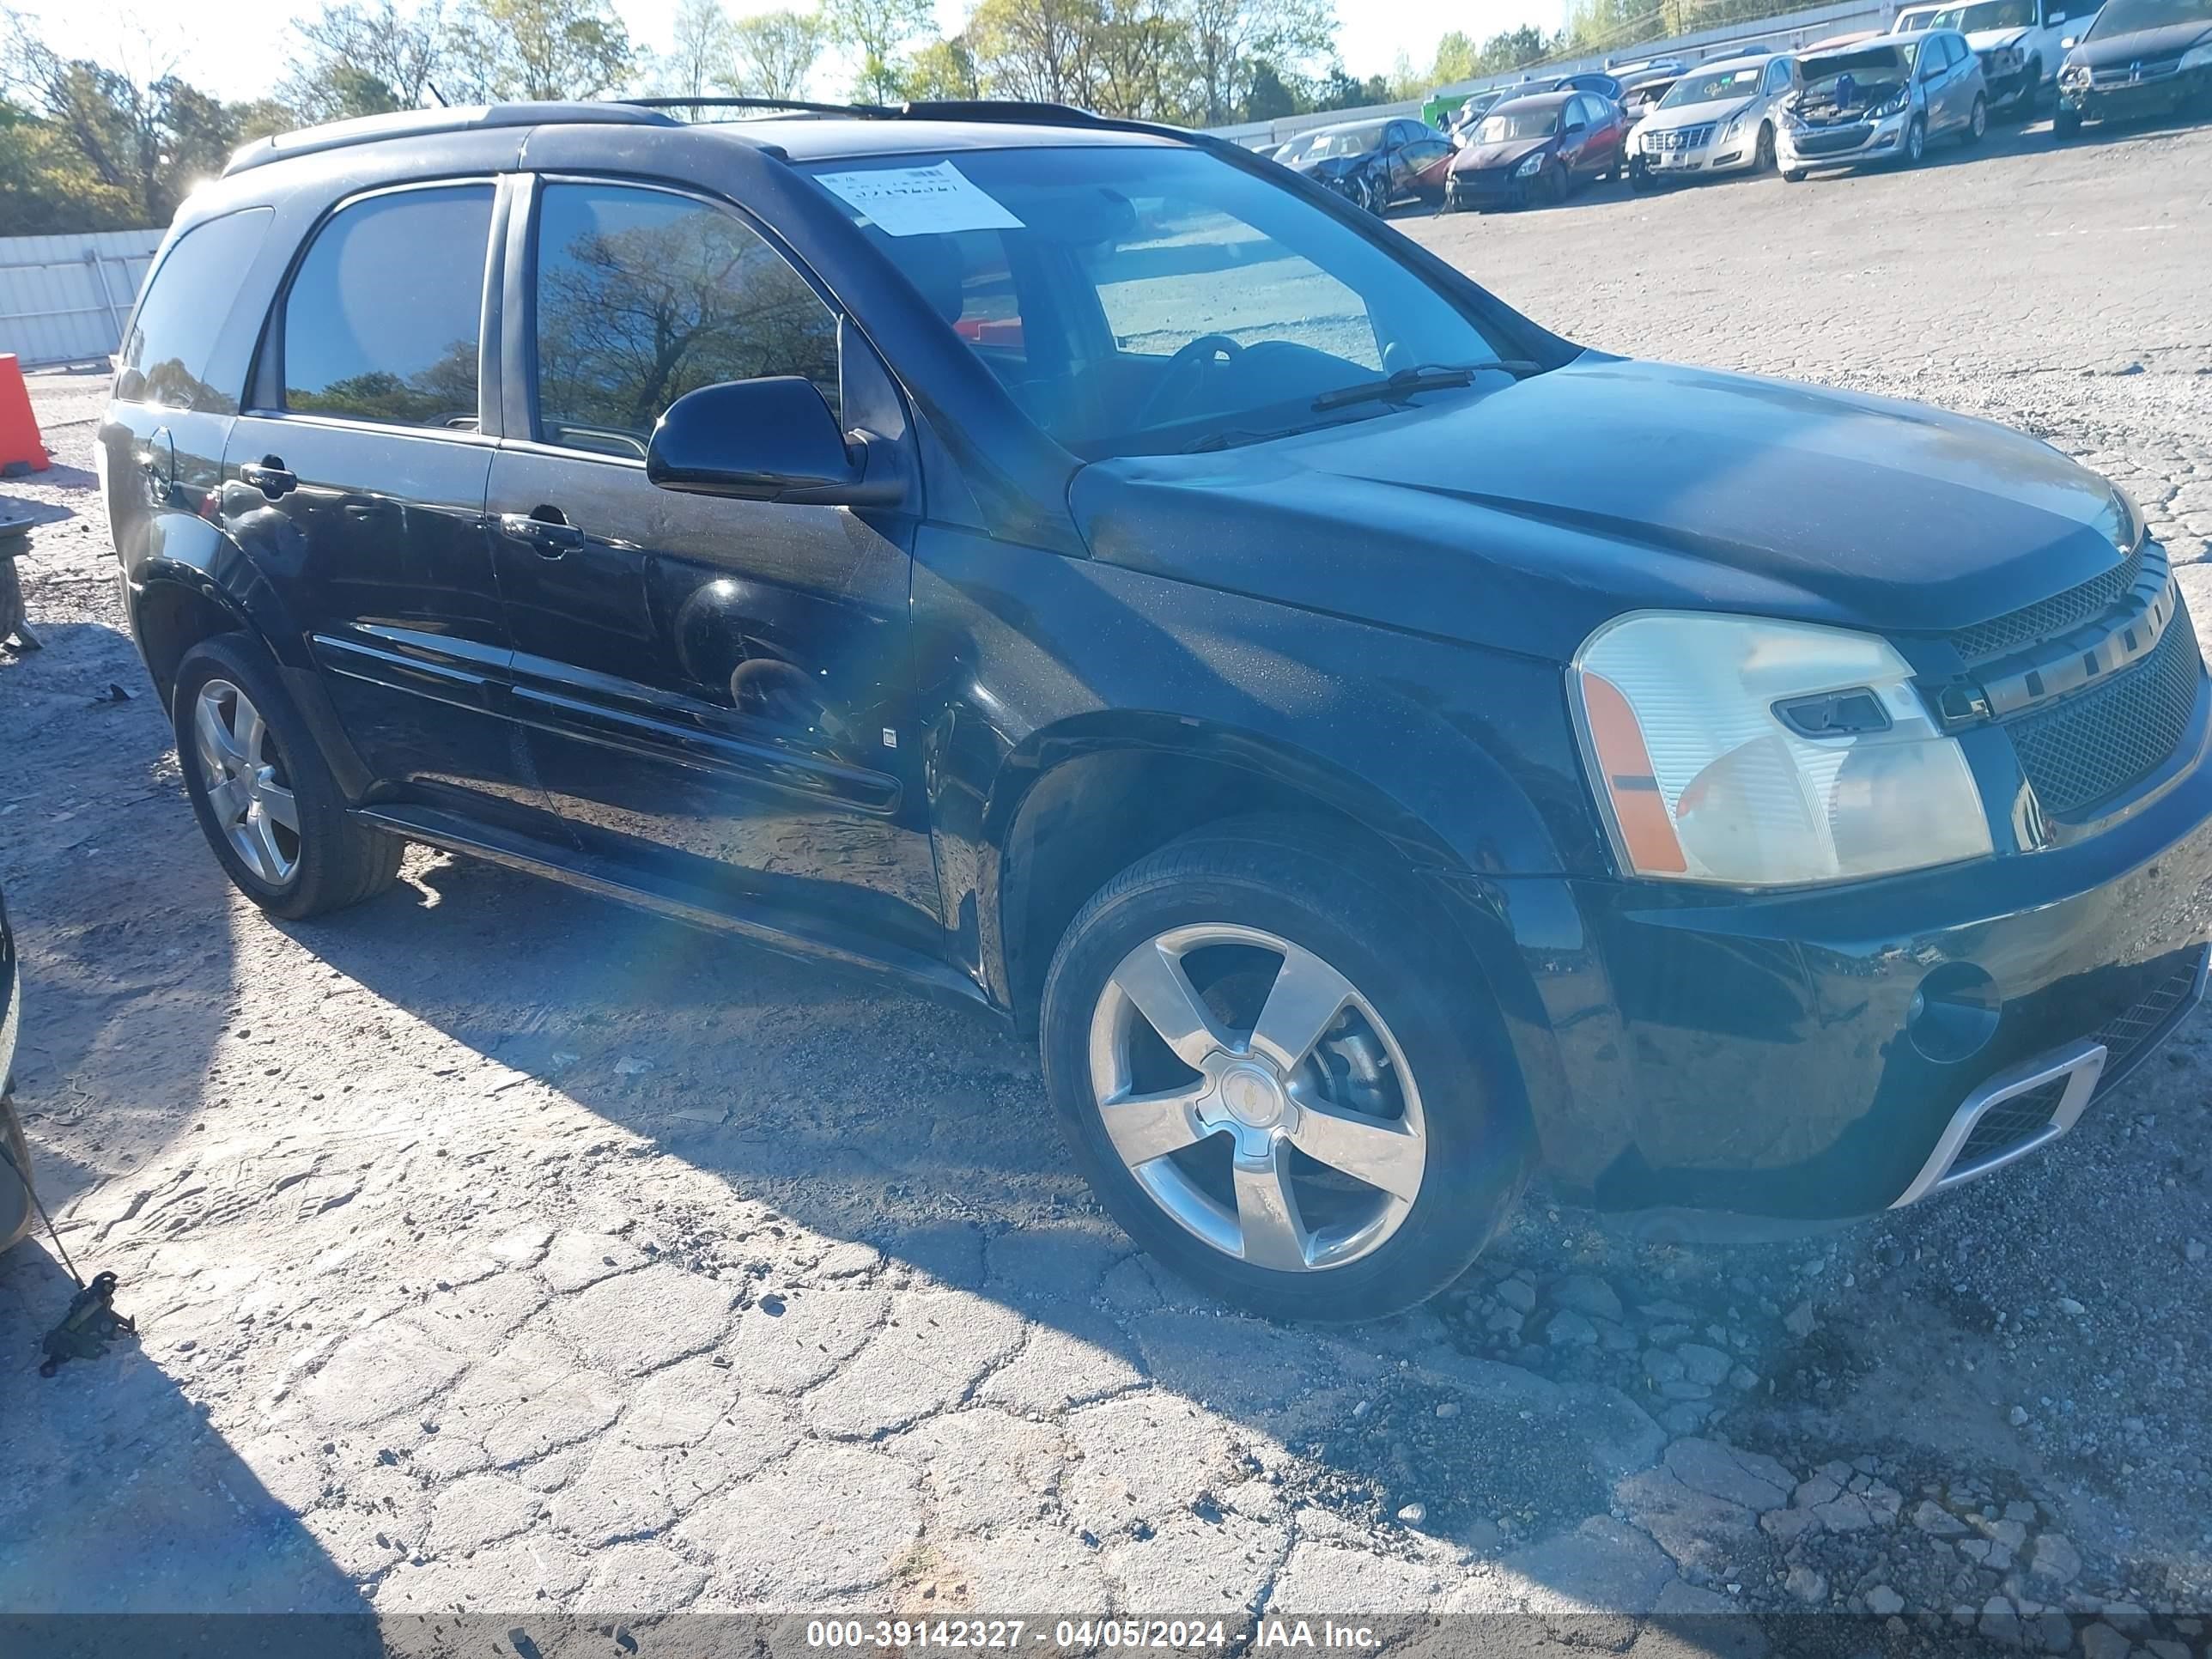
(643, 295)
(190, 294)
(382, 320)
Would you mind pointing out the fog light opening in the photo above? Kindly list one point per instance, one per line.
(1953, 1013)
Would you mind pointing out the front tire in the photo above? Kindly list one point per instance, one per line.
(1793, 175)
(264, 795)
(2066, 123)
(1978, 124)
(1762, 155)
(1267, 1062)
(1916, 142)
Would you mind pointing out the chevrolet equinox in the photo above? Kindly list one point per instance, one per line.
(1378, 747)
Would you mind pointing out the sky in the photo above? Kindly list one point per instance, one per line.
(234, 48)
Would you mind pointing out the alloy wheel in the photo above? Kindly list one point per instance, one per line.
(1916, 141)
(248, 790)
(1257, 1097)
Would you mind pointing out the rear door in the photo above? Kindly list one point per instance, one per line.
(715, 687)
(356, 478)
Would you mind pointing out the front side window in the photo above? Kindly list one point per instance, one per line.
(173, 334)
(1984, 15)
(643, 295)
(382, 320)
(1160, 296)
(1778, 76)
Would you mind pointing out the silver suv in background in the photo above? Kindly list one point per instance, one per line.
(1882, 100)
(1717, 118)
(2022, 43)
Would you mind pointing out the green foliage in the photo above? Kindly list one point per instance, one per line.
(773, 54)
(881, 36)
(945, 68)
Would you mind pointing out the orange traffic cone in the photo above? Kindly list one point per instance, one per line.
(19, 429)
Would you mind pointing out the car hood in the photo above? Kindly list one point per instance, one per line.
(1330, 166)
(1695, 115)
(1523, 518)
(1481, 158)
(1995, 40)
(2119, 51)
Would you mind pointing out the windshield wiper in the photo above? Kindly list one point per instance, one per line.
(1432, 377)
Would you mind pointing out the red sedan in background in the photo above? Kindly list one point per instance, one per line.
(1538, 149)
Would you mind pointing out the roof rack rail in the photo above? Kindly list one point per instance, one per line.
(420, 122)
(801, 105)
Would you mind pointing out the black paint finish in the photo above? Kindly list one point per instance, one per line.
(859, 727)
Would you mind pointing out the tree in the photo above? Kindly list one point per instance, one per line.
(365, 58)
(1039, 50)
(1269, 98)
(46, 188)
(1229, 37)
(773, 54)
(881, 35)
(945, 68)
(1455, 60)
(531, 49)
(700, 60)
(1141, 61)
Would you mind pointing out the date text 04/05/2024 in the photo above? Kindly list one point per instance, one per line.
(1085, 1635)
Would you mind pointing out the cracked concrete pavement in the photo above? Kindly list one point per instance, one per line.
(495, 1248)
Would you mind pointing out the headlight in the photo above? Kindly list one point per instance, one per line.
(1789, 119)
(1531, 167)
(2196, 58)
(1733, 128)
(2073, 75)
(2120, 521)
(1754, 753)
(1895, 103)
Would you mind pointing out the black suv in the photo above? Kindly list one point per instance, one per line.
(1084, 571)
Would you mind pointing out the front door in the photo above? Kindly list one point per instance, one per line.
(717, 688)
(356, 479)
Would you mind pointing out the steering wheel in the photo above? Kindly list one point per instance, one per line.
(1184, 372)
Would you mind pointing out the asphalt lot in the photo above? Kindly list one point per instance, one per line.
(496, 1250)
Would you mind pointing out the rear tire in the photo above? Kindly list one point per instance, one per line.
(1402, 1074)
(250, 763)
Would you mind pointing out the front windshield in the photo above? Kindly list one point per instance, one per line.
(1342, 141)
(2128, 17)
(1144, 299)
(1509, 123)
(1709, 87)
(1983, 14)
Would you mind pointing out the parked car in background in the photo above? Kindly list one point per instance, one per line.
(2138, 58)
(1463, 120)
(1537, 149)
(1373, 163)
(1719, 118)
(1837, 42)
(1882, 100)
(1645, 95)
(1597, 81)
(2019, 42)
(15, 1165)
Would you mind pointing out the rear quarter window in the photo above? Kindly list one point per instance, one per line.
(187, 299)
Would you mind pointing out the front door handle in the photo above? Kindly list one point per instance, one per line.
(269, 475)
(549, 537)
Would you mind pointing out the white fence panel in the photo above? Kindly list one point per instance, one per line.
(64, 299)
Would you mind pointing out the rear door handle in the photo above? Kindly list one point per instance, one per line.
(269, 475)
(548, 537)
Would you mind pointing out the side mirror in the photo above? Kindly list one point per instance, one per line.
(769, 440)
(1572, 128)
(2069, 43)
(2054, 20)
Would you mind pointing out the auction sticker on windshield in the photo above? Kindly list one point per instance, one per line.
(920, 201)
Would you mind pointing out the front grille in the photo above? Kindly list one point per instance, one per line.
(2009, 1125)
(1682, 138)
(2051, 616)
(1831, 141)
(2127, 74)
(2093, 745)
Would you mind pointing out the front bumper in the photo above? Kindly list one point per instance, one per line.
(2128, 101)
(1731, 155)
(1845, 145)
(1493, 188)
(1804, 1055)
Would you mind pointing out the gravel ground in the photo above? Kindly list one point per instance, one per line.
(494, 1248)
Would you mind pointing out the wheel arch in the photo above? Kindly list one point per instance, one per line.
(1081, 800)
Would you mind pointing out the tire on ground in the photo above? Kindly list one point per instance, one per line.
(1308, 887)
(342, 861)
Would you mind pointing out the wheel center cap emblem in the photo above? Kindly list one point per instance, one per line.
(1253, 1097)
